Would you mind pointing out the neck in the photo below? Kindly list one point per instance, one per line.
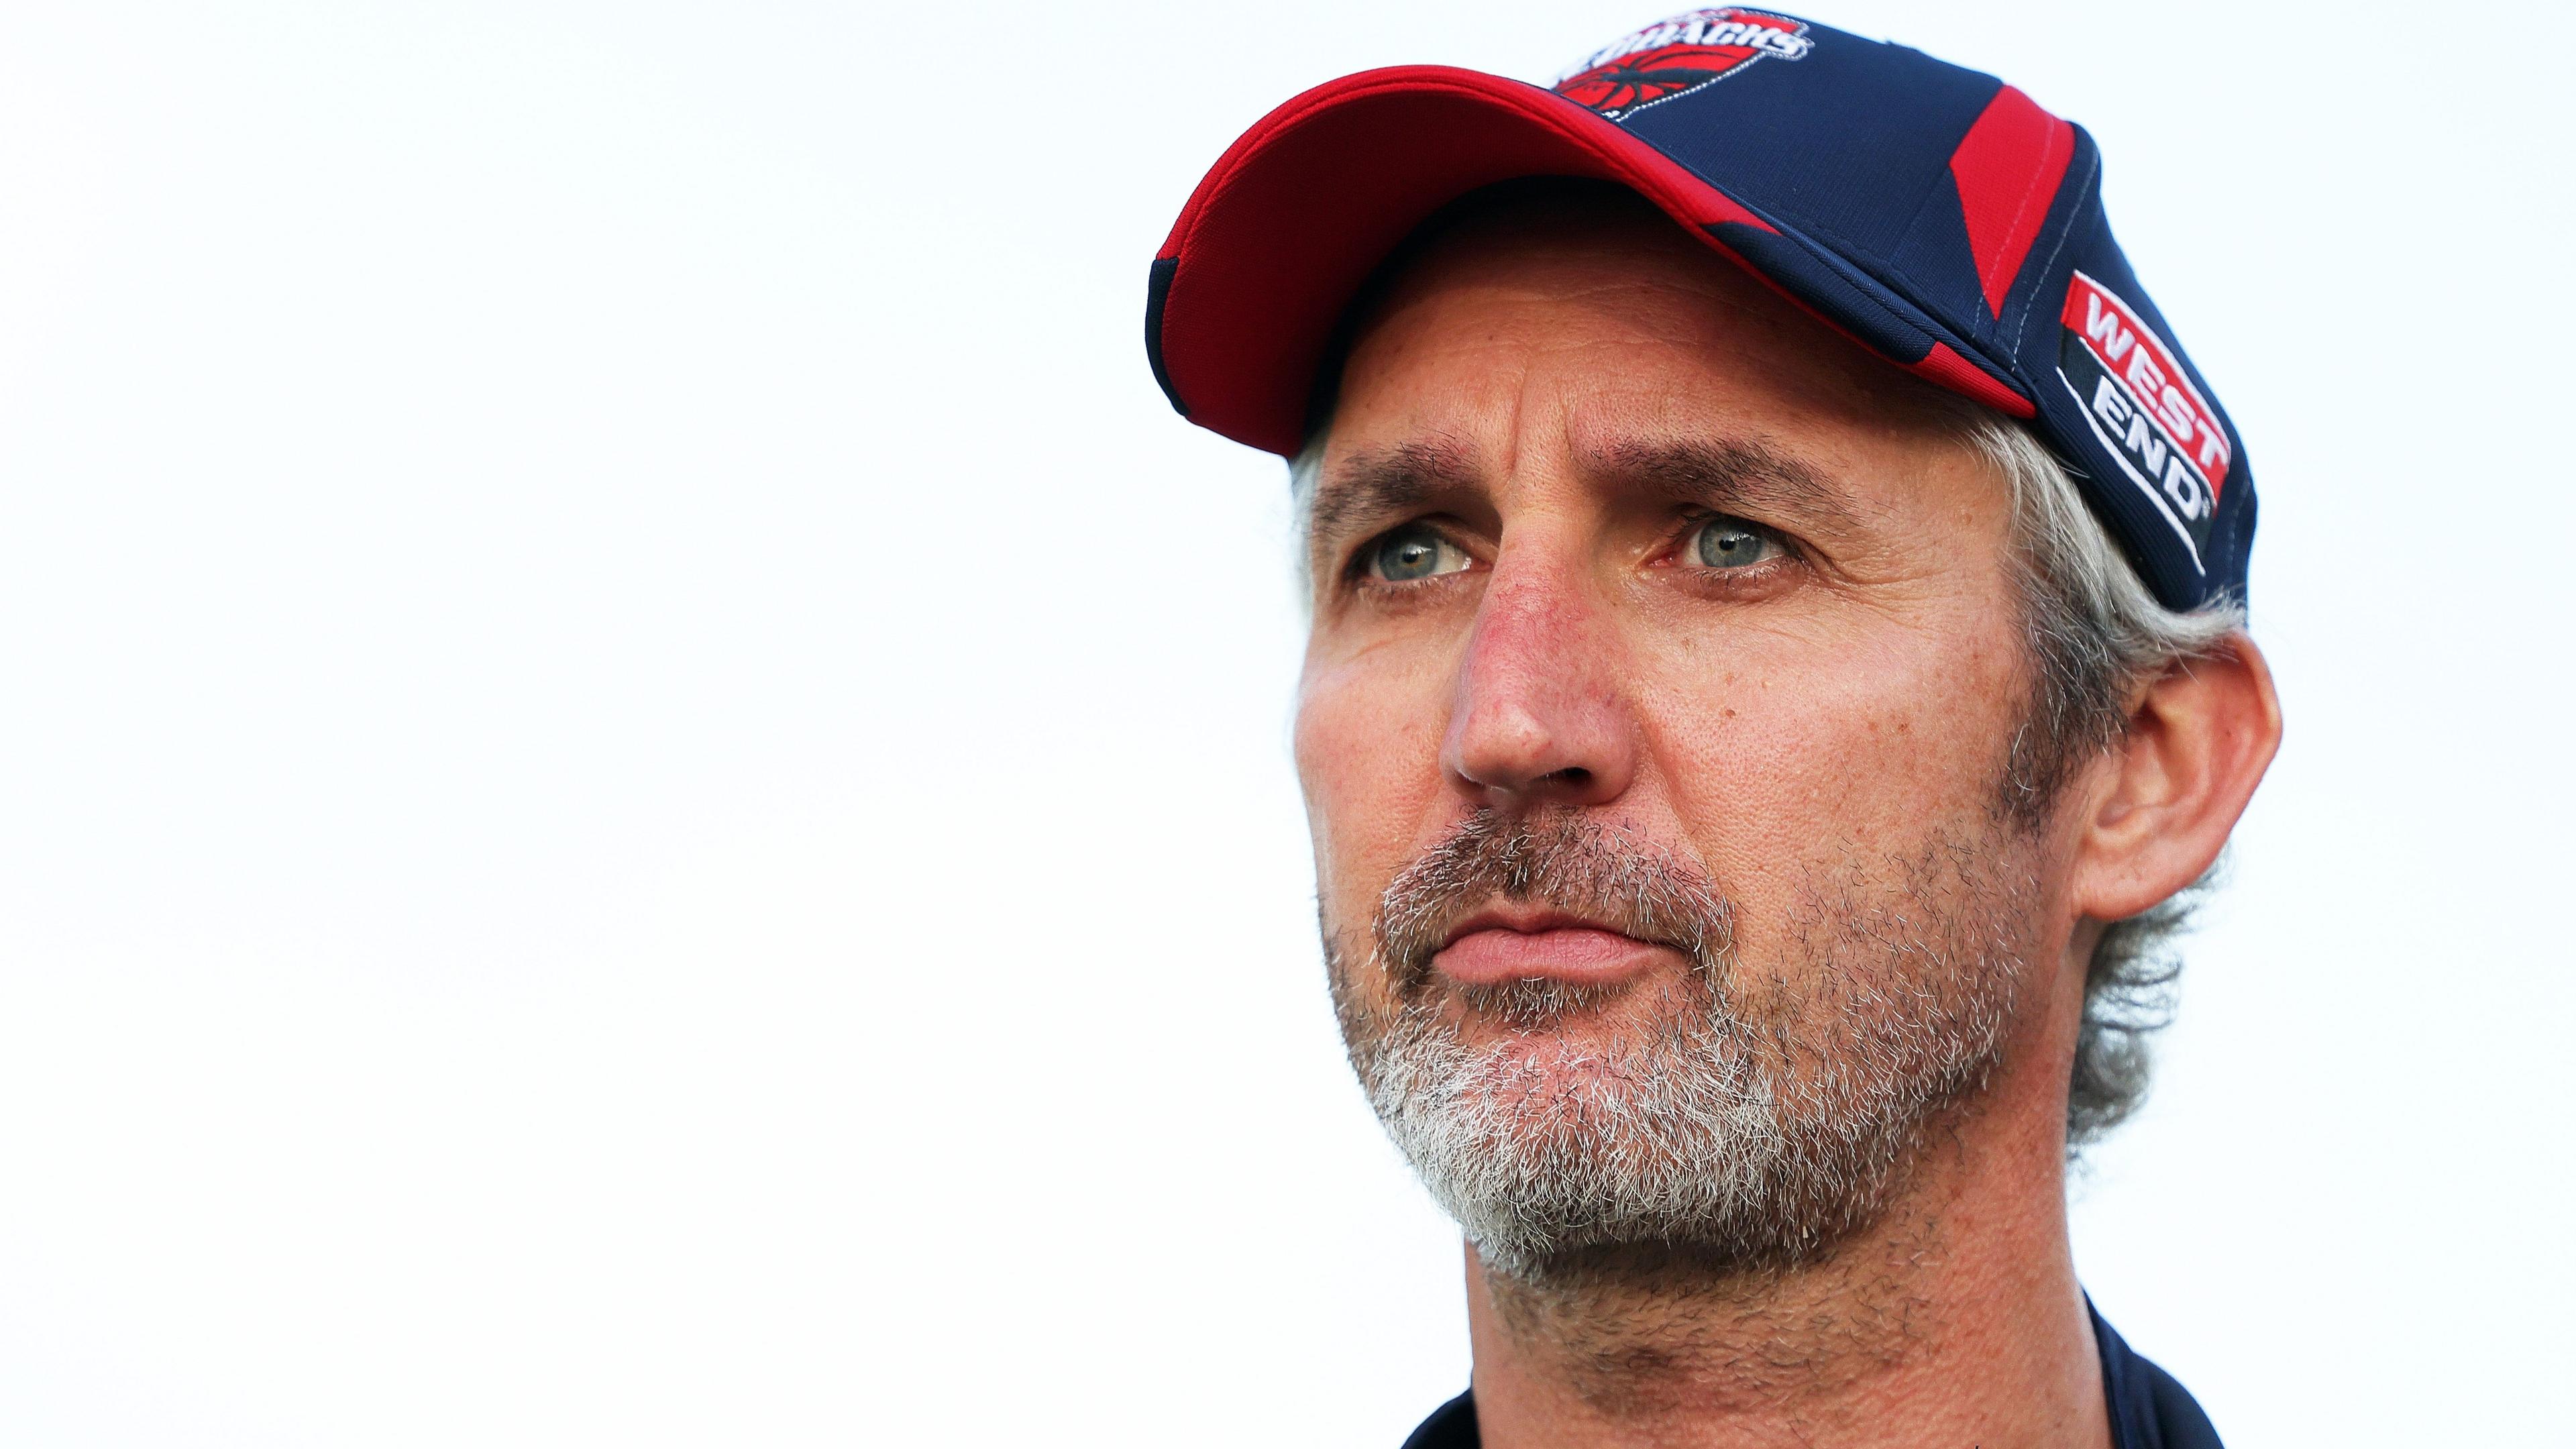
(1956, 1319)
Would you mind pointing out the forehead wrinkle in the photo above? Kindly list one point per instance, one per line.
(1735, 473)
(1380, 482)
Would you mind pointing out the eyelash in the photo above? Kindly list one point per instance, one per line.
(1356, 572)
(1791, 552)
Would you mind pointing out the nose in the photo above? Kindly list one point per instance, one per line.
(1538, 715)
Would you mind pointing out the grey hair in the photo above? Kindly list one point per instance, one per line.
(1303, 472)
(2096, 635)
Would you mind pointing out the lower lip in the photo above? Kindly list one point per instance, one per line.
(1577, 955)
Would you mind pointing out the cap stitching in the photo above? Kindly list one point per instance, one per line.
(2014, 333)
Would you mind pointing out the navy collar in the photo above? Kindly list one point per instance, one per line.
(2148, 1409)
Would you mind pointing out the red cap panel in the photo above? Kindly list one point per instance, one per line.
(2008, 168)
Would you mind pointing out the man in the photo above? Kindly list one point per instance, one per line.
(1777, 669)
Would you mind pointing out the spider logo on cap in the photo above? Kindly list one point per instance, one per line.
(1675, 57)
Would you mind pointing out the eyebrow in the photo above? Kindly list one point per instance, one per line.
(1382, 482)
(1727, 476)
(1738, 474)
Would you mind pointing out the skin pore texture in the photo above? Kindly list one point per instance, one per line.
(1664, 667)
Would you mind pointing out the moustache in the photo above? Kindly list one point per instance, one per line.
(1585, 867)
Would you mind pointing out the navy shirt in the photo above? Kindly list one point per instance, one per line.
(2148, 1409)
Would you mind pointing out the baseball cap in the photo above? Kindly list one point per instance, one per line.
(1934, 215)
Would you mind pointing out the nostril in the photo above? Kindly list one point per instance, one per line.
(1573, 777)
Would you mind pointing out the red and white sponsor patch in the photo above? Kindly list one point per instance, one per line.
(1675, 57)
(2143, 407)
(2131, 350)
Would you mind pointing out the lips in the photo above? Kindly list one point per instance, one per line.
(1500, 945)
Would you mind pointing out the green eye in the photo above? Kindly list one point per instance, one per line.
(1415, 551)
(1732, 543)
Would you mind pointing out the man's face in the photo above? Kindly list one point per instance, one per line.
(1664, 672)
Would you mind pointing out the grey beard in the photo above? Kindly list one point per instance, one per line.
(1733, 1134)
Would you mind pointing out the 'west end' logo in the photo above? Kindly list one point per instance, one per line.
(1678, 56)
(2143, 408)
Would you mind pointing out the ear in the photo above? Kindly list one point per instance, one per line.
(2199, 739)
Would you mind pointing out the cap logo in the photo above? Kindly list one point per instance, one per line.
(1675, 57)
(2143, 408)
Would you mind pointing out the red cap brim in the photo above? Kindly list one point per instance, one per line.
(1289, 223)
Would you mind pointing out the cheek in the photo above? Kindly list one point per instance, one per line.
(1782, 754)
(1367, 740)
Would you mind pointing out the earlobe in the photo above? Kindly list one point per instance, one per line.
(2199, 738)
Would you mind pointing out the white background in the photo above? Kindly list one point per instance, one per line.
(643, 784)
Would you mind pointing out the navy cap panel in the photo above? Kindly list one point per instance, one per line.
(1936, 261)
(1852, 299)
(1868, 312)
(1158, 291)
(2237, 519)
(1848, 141)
